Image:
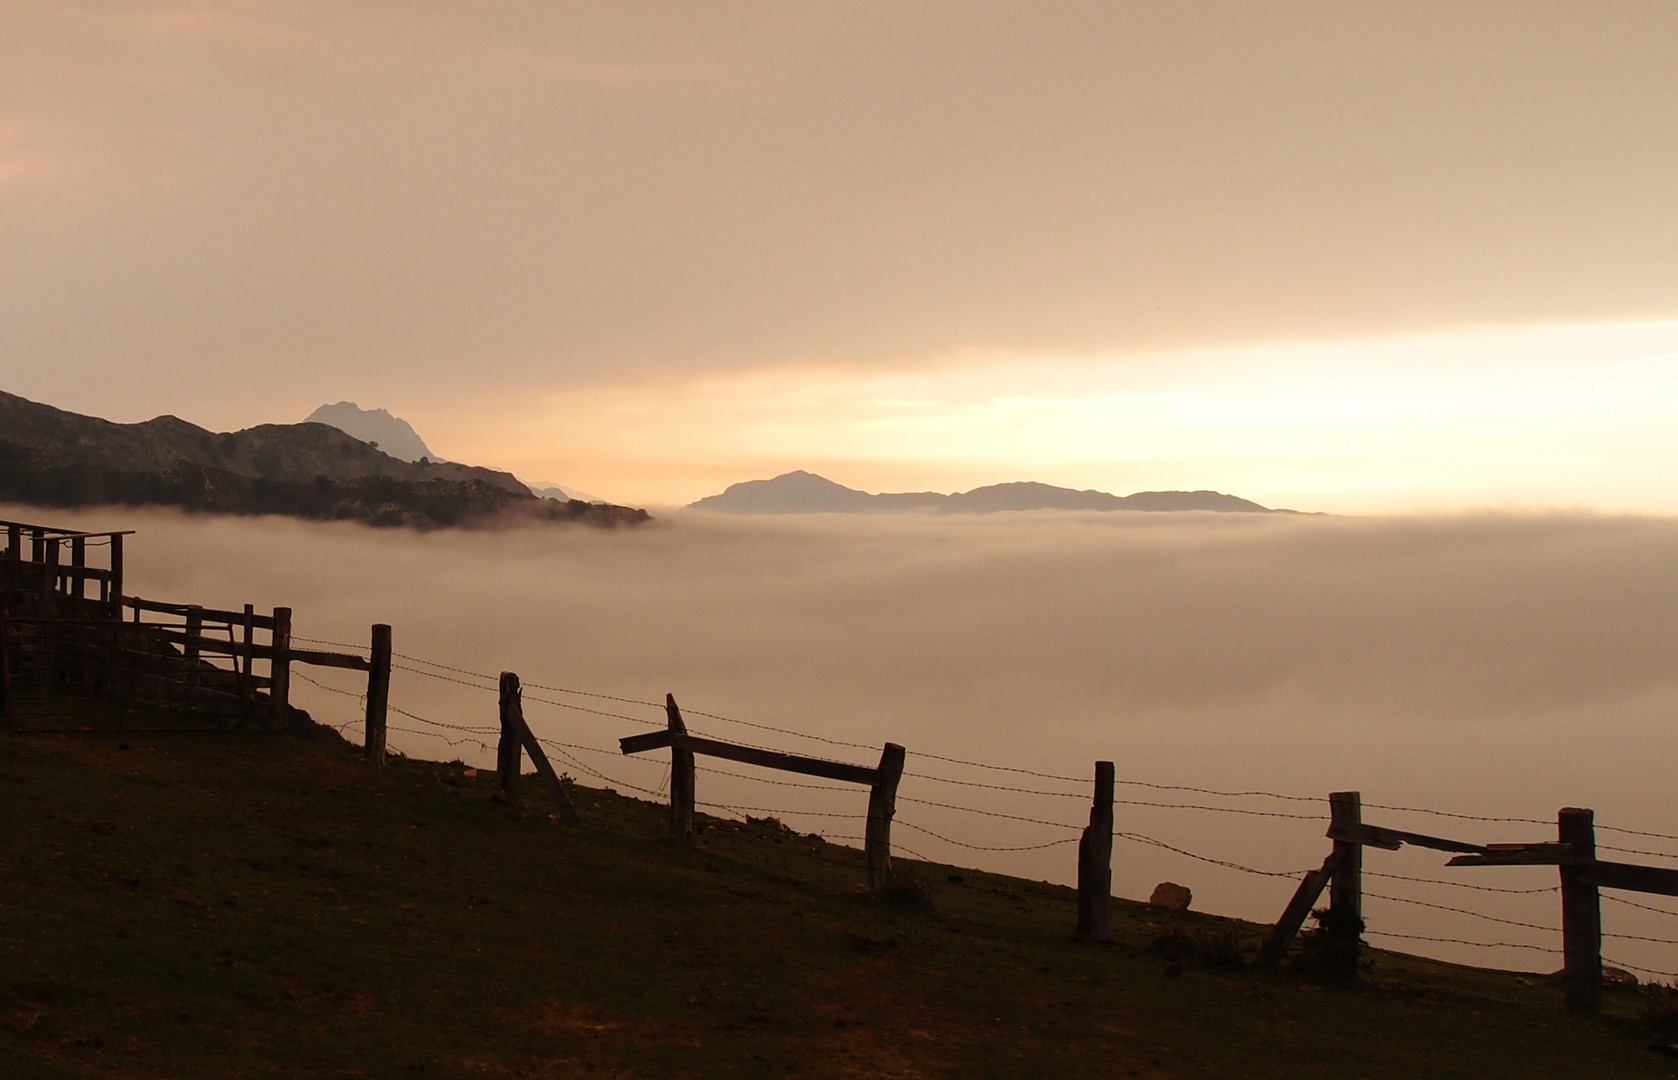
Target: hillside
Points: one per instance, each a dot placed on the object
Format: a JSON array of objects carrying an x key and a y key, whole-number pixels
[
  {"x": 806, "y": 493},
  {"x": 248, "y": 904},
  {"x": 50, "y": 457}
]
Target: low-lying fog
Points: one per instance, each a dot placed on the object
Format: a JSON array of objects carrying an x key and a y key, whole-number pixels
[{"x": 1489, "y": 665}]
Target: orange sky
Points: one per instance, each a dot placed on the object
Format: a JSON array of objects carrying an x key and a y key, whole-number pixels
[{"x": 1354, "y": 257}]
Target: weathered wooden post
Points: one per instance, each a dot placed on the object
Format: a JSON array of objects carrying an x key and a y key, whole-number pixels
[
  {"x": 1095, "y": 861},
  {"x": 1294, "y": 915},
  {"x": 509, "y": 757},
  {"x": 1345, "y": 889},
  {"x": 116, "y": 575},
  {"x": 194, "y": 630},
  {"x": 1581, "y": 914},
  {"x": 378, "y": 695},
  {"x": 882, "y": 806},
  {"x": 242, "y": 664},
  {"x": 78, "y": 568},
  {"x": 513, "y": 715},
  {"x": 682, "y": 781},
  {"x": 279, "y": 669}
]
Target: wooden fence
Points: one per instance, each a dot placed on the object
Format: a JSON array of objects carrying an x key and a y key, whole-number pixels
[{"x": 68, "y": 630}]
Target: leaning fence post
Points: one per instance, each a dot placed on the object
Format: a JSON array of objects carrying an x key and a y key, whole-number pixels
[
  {"x": 1581, "y": 915},
  {"x": 509, "y": 752},
  {"x": 882, "y": 805},
  {"x": 378, "y": 695},
  {"x": 1095, "y": 861},
  {"x": 1345, "y": 890},
  {"x": 279, "y": 668},
  {"x": 681, "y": 774}
]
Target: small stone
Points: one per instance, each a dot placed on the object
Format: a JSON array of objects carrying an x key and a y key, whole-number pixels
[
  {"x": 1171, "y": 896},
  {"x": 1618, "y": 977}
]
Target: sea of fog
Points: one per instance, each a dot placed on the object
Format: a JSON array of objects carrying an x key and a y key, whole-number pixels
[{"x": 1492, "y": 666}]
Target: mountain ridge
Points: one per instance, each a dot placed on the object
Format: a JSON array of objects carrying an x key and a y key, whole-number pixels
[
  {"x": 51, "y": 457},
  {"x": 377, "y": 428},
  {"x": 801, "y": 492}
]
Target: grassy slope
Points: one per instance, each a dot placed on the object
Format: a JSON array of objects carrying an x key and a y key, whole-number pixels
[{"x": 248, "y": 905}]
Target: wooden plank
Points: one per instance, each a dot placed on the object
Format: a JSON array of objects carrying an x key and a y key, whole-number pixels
[
  {"x": 1518, "y": 855},
  {"x": 1294, "y": 915},
  {"x": 638, "y": 744},
  {"x": 1616, "y": 875},
  {"x": 330, "y": 659},
  {"x": 1392, "y": 839},
  {"x": 1581, "y": 916},
  {"x": 237, "y": 618},
  {"x": 882, "y": 807},
  {"x": 769, "y": 759}
]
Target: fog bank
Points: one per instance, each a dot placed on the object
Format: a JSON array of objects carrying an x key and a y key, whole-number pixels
[{"x": 1499, "y": 666}]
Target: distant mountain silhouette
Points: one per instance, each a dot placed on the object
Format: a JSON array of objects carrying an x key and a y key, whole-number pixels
[
  {"x": 547, "y": 489},
  {"x": 376, "y": 427},
  {"x": 806, "y": 493},
  {"x": 49, "y": 457}
]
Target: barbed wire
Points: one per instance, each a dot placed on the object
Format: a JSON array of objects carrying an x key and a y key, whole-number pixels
[
  {"x": 361, "y": 695},
  {"x": 322, "y": 641},
  {"x": 1456, "y": 816},
  {"x": 1636, "y": 851},
  {"x": 981, "y": 847},
  {"x": 987, "y": 813},
  {"x": 1639, "y": 937},
  {"x": 1460, "y": 911},
  {"x": 773, "y": 810},
  {"x": 769, "y": 727},
  {"x": 438, "y": 735},
  {"x": 1464, "y": 941},
  {"x": 1462, "y": 884},
  {"x": 777, "y": 783},
  {"x": 1637, "y": 832},
  {"x": 1635, "y": 904},
  {"x": 1140, "y": 838}
]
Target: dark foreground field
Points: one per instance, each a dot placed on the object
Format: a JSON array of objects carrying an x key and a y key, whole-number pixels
[{"x": 247, "y": 904}]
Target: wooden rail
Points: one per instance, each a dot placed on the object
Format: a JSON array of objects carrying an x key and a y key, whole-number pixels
[{"x": 881, "y": 781}]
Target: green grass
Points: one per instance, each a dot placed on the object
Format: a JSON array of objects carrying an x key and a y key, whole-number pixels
[{"x": 248, "y": 904}]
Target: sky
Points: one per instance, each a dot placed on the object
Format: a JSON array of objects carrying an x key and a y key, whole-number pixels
[{"x": 1372, "y": 258}]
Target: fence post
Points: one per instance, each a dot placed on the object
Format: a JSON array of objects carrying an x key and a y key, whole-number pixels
[
  {"x": 509, "y": 752},
  {"x": 378, "y": 695},
  {"x": 1095, "y": 861},
  {"x": 241, "y": 664},
  {"x": 681, "y": 774},
  {"x": 116, "y": 575},
  {"x": 78, "y": 564},
  {"x": 279, "y": 669},
  {"x": 1345, "y": 890},
  {"x": 1581, "y": 915},
  {"x": 49, "y": 578},
  {"x": 194, "y": 630},
  {"x": 882, "y": 805}
]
